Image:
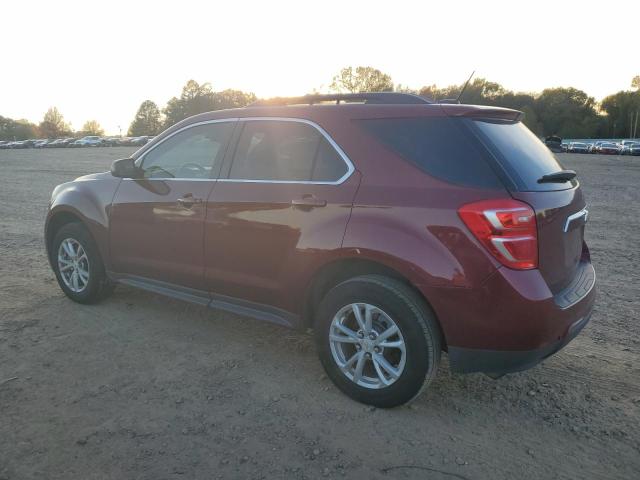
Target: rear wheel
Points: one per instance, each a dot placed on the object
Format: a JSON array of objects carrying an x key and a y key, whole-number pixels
[
  {"x": 78, "y": 266},
  {"x": 378, "y": 340}
]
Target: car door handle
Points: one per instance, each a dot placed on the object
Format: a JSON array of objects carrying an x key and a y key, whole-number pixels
[
  {"x": 188, "y": 201},
  {"x": 308, "y": 202}
]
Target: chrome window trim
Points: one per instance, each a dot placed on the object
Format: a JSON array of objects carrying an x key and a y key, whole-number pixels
[
  {"x": 336, "y": 147},
  {"x": 172, "y": 179}
]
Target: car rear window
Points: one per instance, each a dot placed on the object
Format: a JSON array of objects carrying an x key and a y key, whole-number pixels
[
  {"x": 521, "y": 154},
  {"x": 439, "y": 146}
]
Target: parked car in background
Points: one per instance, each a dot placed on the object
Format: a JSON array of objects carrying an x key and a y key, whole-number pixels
[
  {"x": 608, "y": 148},
  {"x": 57, "y": 143},
  {"x": 40, "y": 143},
  {"x": 88, "y": 141},
  {"x": 111, "y": 141},
  {"x": 139, "y": 141},
  {"x": 633, "y": 149},
  {"x": 395, "y": 229},
  {"x": 625, "y": 146},
  {"x": 593, "y": 147},
  {"x": 578, "y": 147},
  {"x": 554, "y": 143}
]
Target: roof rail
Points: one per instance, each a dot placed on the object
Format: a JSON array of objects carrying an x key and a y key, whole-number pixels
[{"x": 378, "y": 98}]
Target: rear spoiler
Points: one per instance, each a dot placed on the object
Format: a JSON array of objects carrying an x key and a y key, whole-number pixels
[{"x": 477, "y": 111}]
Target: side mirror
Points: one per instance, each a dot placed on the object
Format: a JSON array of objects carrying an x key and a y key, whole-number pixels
[{"x": 125, "y": 168}]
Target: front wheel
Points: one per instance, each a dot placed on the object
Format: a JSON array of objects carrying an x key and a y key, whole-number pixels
[
  {"x": 378, "y": 340},
  {"x": 78, "y": 266}
]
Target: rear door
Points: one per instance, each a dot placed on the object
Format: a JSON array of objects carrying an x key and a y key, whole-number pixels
[
  {"x": 282, "y": 201},
  {"x": 157, "y": 222},
  {"x": 560, "y": 207}
]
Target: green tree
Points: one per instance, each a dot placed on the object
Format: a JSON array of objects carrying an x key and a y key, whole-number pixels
[
  {"x": 53, "y": 125},
  {"x": 478, "y": 92},
  {"x": 568, "y": 112},
  {"x": 232, "y": 99},
  {"x": 517, "y": 101},
  {"x": 621, "y": 109},
  {"x": 635, "y": 82},
  {"x": 531, "y": 120},
  {"x": 484, "y": 92},
  {"x": 361, "y": 79},
  {"x": 431, "y": 92},
  {"x": 17, "y": 129},
  {"x": 198, "y": 98},
  {"x": 147, "y": 120},
  {"x": 195, "y": 98},
  {"x": 92, "y": 127}
]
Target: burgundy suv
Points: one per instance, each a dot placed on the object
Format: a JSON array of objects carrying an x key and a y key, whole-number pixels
[{"x": 394, "y": 227}]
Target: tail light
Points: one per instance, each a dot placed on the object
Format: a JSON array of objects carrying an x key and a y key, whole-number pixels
[{"x": 507, "y": 228}]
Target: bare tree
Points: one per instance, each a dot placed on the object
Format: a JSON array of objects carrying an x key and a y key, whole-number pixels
[
  {"x": 92, "y": 127},
  {"x": 53, "y": 124},
  {"x": 361, "y": 79}
]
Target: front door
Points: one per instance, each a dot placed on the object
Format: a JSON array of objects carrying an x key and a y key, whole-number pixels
[
  {"x": 157, "y": 221},
  {"x": 283, "y": 200}
]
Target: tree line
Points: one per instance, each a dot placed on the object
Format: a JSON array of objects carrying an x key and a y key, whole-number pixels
[
  {"x": 564, "y": 111},
  {"x": 195, "y": 98},
  {"x": 52, "y": 125}
]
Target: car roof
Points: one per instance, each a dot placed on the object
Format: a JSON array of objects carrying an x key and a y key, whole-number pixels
[
  {"x": 359, "y": 111},
  {"x": 324, "y": 114}
]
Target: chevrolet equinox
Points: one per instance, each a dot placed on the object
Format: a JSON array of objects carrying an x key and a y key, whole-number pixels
[{"x": 396, "y": 228}]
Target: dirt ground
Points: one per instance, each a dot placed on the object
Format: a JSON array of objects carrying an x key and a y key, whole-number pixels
[{"x": 144, "y": 387}]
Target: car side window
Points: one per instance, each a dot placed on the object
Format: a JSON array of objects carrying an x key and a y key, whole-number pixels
[
  {"x": 271, "y": 150},
  {"x": 328, "y": 166},
  {"x": 192, "y": 153}
]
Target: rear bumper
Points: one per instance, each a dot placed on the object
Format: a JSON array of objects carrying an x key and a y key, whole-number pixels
[
  {"x": 513, "y": 321},
  {"x": 467, "y": 360}
]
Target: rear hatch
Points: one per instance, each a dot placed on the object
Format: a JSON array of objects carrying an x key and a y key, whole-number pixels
[{"x": 523, "y": 161}]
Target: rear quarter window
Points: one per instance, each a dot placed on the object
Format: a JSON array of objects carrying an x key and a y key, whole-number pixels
[{"x": 439, "y": 146}]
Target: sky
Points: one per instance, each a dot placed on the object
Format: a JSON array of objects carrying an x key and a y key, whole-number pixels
[{"x": 100, "y": 59}]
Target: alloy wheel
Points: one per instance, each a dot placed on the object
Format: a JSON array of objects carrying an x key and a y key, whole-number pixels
[
  {"x": 367, "y": 345},
  {"x": 73, "y": 265}
]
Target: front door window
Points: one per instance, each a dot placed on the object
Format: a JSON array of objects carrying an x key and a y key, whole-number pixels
[{"x": 194, "y": 153}]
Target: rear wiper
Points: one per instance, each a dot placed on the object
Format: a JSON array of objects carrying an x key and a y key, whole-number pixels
[{"x": 558, "y": 177}]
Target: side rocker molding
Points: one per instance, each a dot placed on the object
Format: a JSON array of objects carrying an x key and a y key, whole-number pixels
[{"x": 219, "y": 302}]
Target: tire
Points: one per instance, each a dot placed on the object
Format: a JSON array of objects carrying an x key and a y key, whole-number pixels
[
  {"x": 95, "y": 286},
  {"x": 390, "y": 302}
]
